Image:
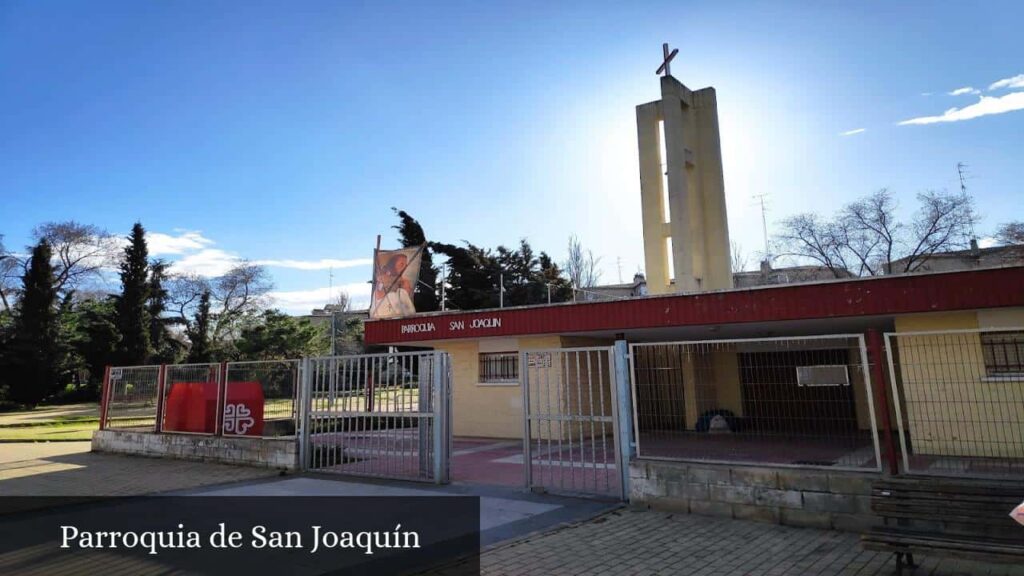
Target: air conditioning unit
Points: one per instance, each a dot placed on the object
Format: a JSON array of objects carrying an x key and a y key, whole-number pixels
[{"x": 819, "y": 376}]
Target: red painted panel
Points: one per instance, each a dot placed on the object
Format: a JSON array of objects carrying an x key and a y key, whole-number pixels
[{"x": 908, "y": 294}]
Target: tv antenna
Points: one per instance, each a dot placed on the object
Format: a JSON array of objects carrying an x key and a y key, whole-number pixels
[{"x": 760, "y": 198}]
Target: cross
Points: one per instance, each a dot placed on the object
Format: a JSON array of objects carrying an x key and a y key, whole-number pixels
[{"x": 668, "y": 58}]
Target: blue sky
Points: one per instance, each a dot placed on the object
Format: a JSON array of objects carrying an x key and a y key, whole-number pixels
[{"x": 284, "y": 132}]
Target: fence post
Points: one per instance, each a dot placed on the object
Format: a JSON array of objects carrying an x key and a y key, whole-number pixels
[
  {"x": 624, "y": 407},
  {"x": 524, "y": 379},
  {"x": 305, "y": 399},
  {"x": 104, "y": 398},
  {"x": 438, "y": 381},
  {"x": 158, "y": 425},
  {"x": 874, "y": 341},
  {"x": 222, "y": 382}
]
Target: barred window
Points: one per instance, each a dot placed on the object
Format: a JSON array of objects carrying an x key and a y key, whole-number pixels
[
  {"x": 1003, "y": 352},
  {"x": 499, "y": 368}
]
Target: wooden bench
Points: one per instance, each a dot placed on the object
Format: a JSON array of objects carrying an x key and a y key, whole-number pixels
[{"x": 953, "y": 518}]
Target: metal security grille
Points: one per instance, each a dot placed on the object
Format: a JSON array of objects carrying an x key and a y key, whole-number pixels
[
  {"x": 571, "y": 421},
  {"x": 132, "y": 397},
  {"x": 499, "y": 368},
  {"x": 377, "y": 415},
  {"x": 276, "y": 382},
  {"x": 802, "y": 401},
  {"x": 960, "y": 402},
  {"x": 1003, "y": 353}
]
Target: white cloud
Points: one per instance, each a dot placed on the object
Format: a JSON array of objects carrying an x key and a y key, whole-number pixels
[
  {"x": 985, "y": 106},
  {"x": 926, "y": 93},
  {"x": 208, "y": 262},
  {"x": 186, "y": 241},
  {"x": 852, "y": 132},
  {"x": 1011, "y": 82},
  {"x": 303, "y": 301},
  {"x": 322, "y": 264},
  {"x": 193, "y": 253},
  {"x": 964, "y": 90}
]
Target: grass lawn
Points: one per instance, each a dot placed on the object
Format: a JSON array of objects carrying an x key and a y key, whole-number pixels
[
  {"x": 52, "y": 432},
  {"x": 55, "y": 423}
]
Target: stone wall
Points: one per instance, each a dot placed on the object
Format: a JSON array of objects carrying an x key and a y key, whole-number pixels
[
  {"x": 280, "y": 453},
  {"x": 796, "y": 497}
]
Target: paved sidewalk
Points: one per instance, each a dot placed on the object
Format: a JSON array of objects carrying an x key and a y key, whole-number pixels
[
  {"x": 69, "y": 469},
  {"x": 630, "y": 541}
]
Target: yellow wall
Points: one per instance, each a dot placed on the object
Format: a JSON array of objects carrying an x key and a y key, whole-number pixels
[
  {"x": 727, "y": 379},
  {"x": 486, "y": 410},
  {"x": 950, "y": 407}
]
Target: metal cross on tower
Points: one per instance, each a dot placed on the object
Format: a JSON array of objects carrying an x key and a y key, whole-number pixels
[{"x": 668, "y": 59}]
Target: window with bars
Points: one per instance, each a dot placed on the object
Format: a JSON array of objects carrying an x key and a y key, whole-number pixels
[
  {"x": 499, "y": 368},
  {"x": 1003, "y": 353}
]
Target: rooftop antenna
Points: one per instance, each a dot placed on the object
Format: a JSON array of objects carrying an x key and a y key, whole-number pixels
[
  {"x": 444, "y": 274},
  {"x": 618, "y": 262},
  {"x": 764, "y": 224},
  {"x": 961, "y": 170},
  {"x": 330, "y": 296}
]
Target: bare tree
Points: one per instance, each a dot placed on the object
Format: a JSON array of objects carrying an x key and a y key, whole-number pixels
[
  {"x": 239, "y": 292},
  {"x": 342, "y": 302},
  {"x": 581, "y": 267},
  {"x": 866, "y": 238},
  {"x": 944, "y": 222},
  {"x": 243, "y": 289},
  {"x": 1011, "y": 233},
  {"x": 808, "y": 237},
  {"x": 82, "y": 252},
  {"x": 9, "y": 271},
  {"x": 183, "y": 294},
  {"x": 739, "y": 259}
]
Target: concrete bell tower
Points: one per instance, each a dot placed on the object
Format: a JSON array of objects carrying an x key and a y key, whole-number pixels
[{"x": 682, "y": 189}]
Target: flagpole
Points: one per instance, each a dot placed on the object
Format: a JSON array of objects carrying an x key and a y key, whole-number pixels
[{"x": 373, "y": 281}]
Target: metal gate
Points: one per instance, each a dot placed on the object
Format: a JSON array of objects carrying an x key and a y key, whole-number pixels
[
  {"x": 798, "y": 401},
  {"x": 959, "y": 397},
  {"x": 570, "y": 421},
  {"x": 381, "y": 415}
]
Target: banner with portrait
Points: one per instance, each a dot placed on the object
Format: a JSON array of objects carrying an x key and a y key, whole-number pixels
[{"x": 395, "y": 274}]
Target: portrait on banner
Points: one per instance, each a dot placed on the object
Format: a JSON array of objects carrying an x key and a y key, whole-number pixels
[{"x": 395, "y": 274}]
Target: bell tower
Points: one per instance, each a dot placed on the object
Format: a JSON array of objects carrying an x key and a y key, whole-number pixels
[{"x": 682, "y": 190}]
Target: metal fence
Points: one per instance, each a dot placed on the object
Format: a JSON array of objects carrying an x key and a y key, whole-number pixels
[
  {"x": 377, "y": 415},
  {"x": 192, "y": 397},
  {"x": 131, "y": 397},
  {"x": 260, "y": 398},
  {"x": 571, "y": 421},
  {"x": 793, "y": 402},
  {"x": 960, "y": 399}
]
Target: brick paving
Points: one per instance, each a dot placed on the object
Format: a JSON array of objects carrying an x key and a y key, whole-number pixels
[
  {"x": 69, "y": 469},
  {"x": 634, "y": 541}
]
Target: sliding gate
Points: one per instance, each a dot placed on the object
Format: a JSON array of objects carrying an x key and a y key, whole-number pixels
[
  {"x": 381, "y": 415},
  {"x": 570, "y": 423}
]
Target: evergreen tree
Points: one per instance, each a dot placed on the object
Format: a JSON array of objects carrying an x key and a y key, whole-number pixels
[
  {"x": 165, "y": 348},
  {"x": 199, "y": 332},
  {"x": 277, "y": 336},
  {"x": 132, "y": 318},
  {"x": 551, "y": 275},
  {"x": 426, "y": 299},
  {"x": 70, "y": 365},
  {"x": 471, "y": 276},
  {"x": 33, "y": 355},
  {"x": 475, "y": 275},
  {"x": 96, "y": 338}
]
